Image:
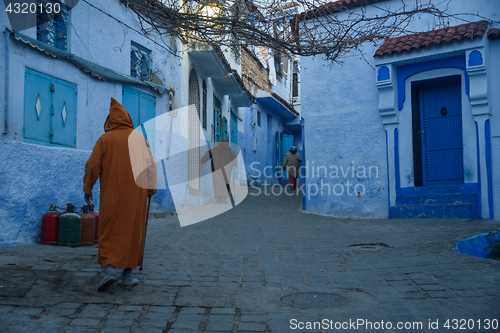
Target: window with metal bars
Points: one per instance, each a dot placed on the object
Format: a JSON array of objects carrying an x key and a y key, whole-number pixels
[
  {"x": 259, "y": 118},
  {"x": 52, "y": 29},
  {"x": 204, "y": 114},
  {"x": 295, "y": 79},
  {"x": 140, "y": 58}
]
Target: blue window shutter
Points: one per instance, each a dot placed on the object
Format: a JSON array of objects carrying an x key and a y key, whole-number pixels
[
  {"x": 234, "y": 128},
  {"x": 64, "y": 117},
  {"x": 217, "y": 120},
  {"x": 37, "y": 92},
  {"x": 130, "y": 101},
  {"x": 225, "y": 135}
]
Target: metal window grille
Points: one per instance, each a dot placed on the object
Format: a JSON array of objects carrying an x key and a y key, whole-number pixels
[
  {"x": 140, "y": 59},
  {"x": 295, "y": 79},
  {"x": 52, "y": 29},
  {"x": 259, "y": 118}
]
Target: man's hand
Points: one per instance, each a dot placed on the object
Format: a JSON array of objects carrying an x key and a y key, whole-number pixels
[{"x": 88, "y": 198}]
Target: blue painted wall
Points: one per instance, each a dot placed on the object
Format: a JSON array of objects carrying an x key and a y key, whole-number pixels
[
  {"x": 343, "y": 129},
  {"x": 32, "y": 178}
]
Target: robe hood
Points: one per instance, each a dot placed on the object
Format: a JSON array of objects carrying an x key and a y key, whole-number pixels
[{"x": 117, "y": 117}]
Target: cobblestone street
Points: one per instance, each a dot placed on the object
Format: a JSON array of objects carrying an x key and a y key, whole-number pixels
[{"x": 230, "y": 273}]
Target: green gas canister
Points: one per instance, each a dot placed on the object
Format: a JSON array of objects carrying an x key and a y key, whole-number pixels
[{"x": 70, "y": 228}]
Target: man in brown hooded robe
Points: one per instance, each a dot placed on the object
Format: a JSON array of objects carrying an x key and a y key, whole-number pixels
[
  {"x": 223, "y": 161},
  {"x": 122, "y": 211}
]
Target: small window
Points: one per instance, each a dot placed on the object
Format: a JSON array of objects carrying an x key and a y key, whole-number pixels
[
  {"x": 204, "y": 114},
  {"x": 295, "y": 79},
  {"x": 52, "y": 30},
  {"x": 140, "y": 58},
  {"x": 259, "y": 118}
]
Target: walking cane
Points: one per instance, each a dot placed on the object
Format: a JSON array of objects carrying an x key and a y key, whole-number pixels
[{"x": 145, "y": 233}]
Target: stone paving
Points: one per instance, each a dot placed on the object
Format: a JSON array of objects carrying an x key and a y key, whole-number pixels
[{"x": 228, "y": 274}]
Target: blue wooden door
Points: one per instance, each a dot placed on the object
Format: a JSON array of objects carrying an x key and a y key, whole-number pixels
[
  {"x": 131, "y": 102},
  {"x": 234, "y": 128},
  {"x": 233, "y": 138},
  {"x": 225, "y": 134},
  {"x": 441, "y": 132},
  {"x": 147, "y": 114},
  {"x": 142, "y": 110}
]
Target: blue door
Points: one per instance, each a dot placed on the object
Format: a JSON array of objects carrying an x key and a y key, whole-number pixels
[
  {"x": 147, "y": 114},
  {"x": 287, "y": 144},
  {"x": 234, "y": 128},
  {"x": 441, "y": 131},
  {"x": 131, "y": 102},
  {"x": 142, "y": 110},
  {"x": 233, "y": 138}
]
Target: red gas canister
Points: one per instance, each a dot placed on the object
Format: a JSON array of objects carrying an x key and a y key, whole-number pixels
[
  {"x": 88, "y": 227},
  {"x": 96, "y": 215},
  {"x": 50, "y": 226}
]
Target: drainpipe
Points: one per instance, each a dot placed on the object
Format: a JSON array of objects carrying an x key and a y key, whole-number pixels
[
  {"x": 170, "y": 134},
  {"x": 7, "y": 81},
  {"x": 304, "y": 206}
]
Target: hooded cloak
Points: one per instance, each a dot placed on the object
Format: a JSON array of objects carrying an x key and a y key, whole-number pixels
[{"x": 123, "y": 204}]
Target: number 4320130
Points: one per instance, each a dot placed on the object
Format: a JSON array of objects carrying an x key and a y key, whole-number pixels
[{"x": 31, "y": 8}]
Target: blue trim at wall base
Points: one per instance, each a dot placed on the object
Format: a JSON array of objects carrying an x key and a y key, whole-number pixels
[
  {"x": 448, "y": 201},
  {"x": 436, "y": 199},
  {"x": 468, "y": 188},
  {"x": 431, "y": 211}
]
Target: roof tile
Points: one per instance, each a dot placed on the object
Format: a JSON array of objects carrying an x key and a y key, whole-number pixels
[
  {"x": 494, "y": 34},
  {"x": 436, "y": 37}
]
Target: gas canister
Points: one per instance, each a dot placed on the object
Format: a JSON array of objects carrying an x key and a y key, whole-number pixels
[
  {"x": 50, "y": 226},
  {"x": 70, "y": 228},
  {"x": 88, "y": 227},
  {"x": 96, "y": 215}
]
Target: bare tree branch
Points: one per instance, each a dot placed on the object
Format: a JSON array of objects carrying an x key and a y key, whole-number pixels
[{"x": 322, "y": 28}]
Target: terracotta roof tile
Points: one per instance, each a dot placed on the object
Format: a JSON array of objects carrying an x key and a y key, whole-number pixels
[
  {"x": 436, "y": 37},
  {"x": 494, "y": 34}
]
